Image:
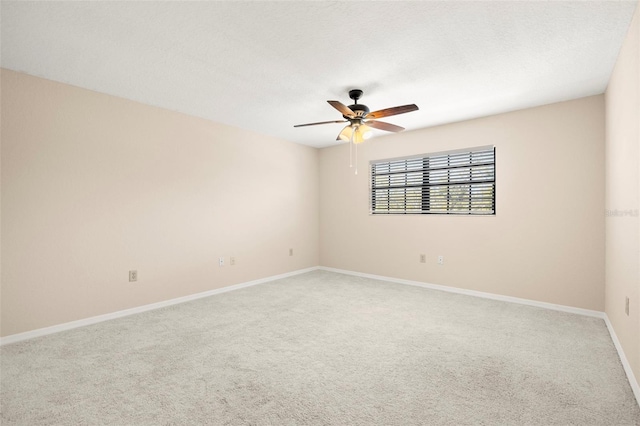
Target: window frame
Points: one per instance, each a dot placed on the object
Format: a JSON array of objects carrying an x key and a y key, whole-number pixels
[{"x": 427, "y": 187}]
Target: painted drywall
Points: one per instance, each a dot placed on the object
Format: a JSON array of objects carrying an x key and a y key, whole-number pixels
[
  {"x": 94, "y": 186},
  {"x": 622, "y": 100},
  {"x": 546, "y": 241}
]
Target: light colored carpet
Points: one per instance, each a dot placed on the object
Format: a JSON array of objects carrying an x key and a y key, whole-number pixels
[{"x": 323, "y": 349}]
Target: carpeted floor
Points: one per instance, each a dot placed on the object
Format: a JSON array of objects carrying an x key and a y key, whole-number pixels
[{"x": 323, "y": 349}]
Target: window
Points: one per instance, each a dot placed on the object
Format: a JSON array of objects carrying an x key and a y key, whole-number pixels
[{"x": 456, "y": 182}]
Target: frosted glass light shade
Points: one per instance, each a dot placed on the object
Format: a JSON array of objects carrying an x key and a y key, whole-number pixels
[
  {"x": 345, "y": 134},
  {"x": 366, "y": 131}
]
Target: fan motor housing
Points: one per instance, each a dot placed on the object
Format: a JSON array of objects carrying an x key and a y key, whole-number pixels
[{"x": 359, "y": 109}]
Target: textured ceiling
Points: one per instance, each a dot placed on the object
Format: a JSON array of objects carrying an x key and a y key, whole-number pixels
[{"x": 266, "y": 66}]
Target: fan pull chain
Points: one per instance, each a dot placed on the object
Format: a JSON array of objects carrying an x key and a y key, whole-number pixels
[
  {"x": 356, "y": 159},
  {"x": 350, "y": 149}
]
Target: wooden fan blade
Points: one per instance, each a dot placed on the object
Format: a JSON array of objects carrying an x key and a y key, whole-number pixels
[
  {"x": 344, "y": 110},
  {"x": 392, "y": 111},
  {"x": 381, "y": 125},
  {"x": 321, "y": 122}
]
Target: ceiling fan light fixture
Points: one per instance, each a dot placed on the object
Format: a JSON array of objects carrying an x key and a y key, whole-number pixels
[{"x": 361, "y": 132}]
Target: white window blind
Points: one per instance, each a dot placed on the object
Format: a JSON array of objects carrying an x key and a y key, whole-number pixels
[{"x": 459, "y": 182}]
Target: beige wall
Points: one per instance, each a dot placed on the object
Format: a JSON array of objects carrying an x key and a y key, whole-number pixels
[
  {"x": 622, "y": 194},
  {"x": 94, "y": 185},
  {"x": 546, "y": 241}
]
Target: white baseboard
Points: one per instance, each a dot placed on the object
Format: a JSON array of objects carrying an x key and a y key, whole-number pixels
[
  {"x": 623, "y": 358},
  {"x": 562, "y": 308},
  {"x": 119, "y": 314},
  {"x": 570, "y": 309}
]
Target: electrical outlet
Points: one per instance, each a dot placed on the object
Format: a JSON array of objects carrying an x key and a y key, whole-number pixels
[
  {"x": 232, "y": 261},
  {"x": 133, "y": 276},
  {"x": 290, "y": 252},
  {"x": 423, "y": 258},
  {"x": 221, "y": 261},
  {"x": 440, "y": 260},
  {"x": 626, "y": 305}
]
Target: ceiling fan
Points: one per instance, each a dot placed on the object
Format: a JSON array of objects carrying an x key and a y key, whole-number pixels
[{"x": 361, "y": 120}]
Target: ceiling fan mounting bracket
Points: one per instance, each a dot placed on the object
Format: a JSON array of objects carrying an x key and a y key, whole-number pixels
[{"x": 355, "y": 94}]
